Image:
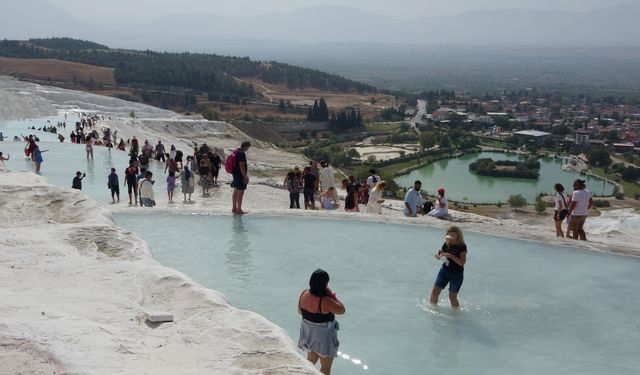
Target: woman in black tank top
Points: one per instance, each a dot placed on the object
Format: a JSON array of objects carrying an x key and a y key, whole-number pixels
[{"x": 318, "y": 331}]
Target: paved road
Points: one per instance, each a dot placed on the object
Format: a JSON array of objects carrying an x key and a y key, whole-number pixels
[{"x": 422, "y": 111}]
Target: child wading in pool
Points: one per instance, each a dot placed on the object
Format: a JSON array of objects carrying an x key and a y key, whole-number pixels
[
  {"x": 454, "y": 256},
  {"x": 171, "y": 185}
]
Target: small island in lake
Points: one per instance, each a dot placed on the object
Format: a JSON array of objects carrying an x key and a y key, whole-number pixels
[{"x": 529, "y": 168}]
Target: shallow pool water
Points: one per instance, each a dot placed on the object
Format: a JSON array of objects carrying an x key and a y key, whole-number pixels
[
  {"x": 454, "y": 175},
  {"x": 528, "y": 308},
  {"x": 22, "y": 127},
  {"x": 62, "y": 160}
]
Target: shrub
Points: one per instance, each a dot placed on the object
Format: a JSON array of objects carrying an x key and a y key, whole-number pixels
[
  {"x": 516, "y": 201},
  {"x": 601, "y": 203},
  {"x": 619, "y": 195},
  {"x": 541, "y": 207}
]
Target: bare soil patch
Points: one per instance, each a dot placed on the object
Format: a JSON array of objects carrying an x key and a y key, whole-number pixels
[
  {"x": 335, "y": 100},
  {"x": 56, "y": 71}
]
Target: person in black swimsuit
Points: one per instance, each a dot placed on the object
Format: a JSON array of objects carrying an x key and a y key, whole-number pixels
[{"x": 318, "y": 306}]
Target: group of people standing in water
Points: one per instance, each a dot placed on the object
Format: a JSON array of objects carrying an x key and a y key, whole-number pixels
[{"x": 318, "y": 305}]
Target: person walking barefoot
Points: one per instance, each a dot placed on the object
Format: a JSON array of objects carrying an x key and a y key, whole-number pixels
[
  {"x": 240, "y": 178},
  {"x": 561, "y": 209},
  {"x": 454, "y": 256}
]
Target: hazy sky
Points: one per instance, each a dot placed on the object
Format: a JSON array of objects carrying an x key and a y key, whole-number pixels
[{"x": 143, "y": 10}]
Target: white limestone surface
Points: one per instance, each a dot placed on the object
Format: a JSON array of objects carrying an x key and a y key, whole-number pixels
[{"x": 75, "y": 289}]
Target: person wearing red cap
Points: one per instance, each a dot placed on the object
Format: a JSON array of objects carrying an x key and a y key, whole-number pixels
[{"x": 441, "y": 206}]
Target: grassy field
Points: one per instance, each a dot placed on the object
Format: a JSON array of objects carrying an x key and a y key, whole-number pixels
[
  {"x": 493, "y": 143},
  {"x": 630, "y": 189},
  {"x": 56, "y": 70},
  {"x": 383, "y": 126}
]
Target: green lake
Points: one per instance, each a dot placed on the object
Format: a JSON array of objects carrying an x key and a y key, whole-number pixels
[{"x": 462, "y": 185}]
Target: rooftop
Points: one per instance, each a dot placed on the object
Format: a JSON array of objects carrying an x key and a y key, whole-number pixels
[{"x": 532, "y": 133}]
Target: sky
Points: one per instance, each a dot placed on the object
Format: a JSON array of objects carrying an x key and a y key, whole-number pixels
[{"x": 136, "y": 11}]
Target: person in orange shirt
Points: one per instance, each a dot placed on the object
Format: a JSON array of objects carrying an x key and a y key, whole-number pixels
[{"x": 318, "y": 306}]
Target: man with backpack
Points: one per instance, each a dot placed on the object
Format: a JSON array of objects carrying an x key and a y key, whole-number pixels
[{"x": 236, "y": 164}]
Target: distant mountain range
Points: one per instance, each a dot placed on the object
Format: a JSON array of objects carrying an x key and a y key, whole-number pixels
[{"x": 614, "y": 26}]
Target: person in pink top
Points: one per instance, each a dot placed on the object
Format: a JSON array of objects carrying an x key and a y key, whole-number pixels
[{"x": 318, "y": 306}]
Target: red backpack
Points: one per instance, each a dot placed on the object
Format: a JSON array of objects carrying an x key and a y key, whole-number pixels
[{"x": 230, "y": 163}]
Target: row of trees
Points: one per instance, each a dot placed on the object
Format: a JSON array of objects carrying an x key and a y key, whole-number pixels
[
  {"x": 319, "y": 111},
  {"x": 346, "y": 120},
  {"x": 67, "y": 44},
  {"x": 202, "y": 72},
  {"x": 506, "y": 168}
]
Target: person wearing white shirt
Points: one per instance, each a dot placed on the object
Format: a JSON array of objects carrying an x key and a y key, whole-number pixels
[
  {"x": 581, "y": 203},
  {"x": 413, "y": 200},
  {"x": 327, "y": 179},
  {"x": 372, "y": 180},
  {"x": 442, "y": 207},
  {"x": 145, "y": 186}
]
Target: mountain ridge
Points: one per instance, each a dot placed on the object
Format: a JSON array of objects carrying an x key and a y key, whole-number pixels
[{"x": 614, "y": 25}]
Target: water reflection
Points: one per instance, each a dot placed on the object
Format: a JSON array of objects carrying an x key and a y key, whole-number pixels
[{"x": 239, "y": 261}]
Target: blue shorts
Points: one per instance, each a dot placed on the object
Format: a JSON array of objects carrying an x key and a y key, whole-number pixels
[{"x": 454, "y": 279}]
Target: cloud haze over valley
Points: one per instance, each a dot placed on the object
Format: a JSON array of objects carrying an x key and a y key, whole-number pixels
[
  {"x": 407, "y": 44},
  {"x": 135, "y": 23}
]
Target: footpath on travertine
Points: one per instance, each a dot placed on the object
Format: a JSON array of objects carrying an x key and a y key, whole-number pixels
[{"x": 76, "y": 291}]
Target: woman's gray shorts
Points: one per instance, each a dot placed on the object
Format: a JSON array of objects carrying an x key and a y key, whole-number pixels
[{"x": 320, "y": 338}]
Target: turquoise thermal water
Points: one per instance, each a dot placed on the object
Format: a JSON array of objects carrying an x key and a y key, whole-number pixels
[
  {"x": 528, "y": 308},
  {"x": 454, "y": 175}
]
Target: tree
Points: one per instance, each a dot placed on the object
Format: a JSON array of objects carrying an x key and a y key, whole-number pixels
[
  {"x": 444, "y": 142},
  {"x": 281, "y": 106},
  {"x": 613, "y": 136},
  {"x": 210, "y": 115},
  {"x": 427, "y": 139},
  {"x": 323, "y": 111},
  {"x": 517, "y": 201},
  {"x": 541, "y": 207},
  {"x": 132, "y": 114},
  {"x": 599, "y": 157}
]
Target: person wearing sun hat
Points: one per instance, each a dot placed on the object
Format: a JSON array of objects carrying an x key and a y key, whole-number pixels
[{"x": 441, "y": 206}]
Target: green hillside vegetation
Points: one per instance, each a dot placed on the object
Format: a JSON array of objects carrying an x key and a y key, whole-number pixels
[
  {"x": 529, "y": 168},
  {"x": 66, "y": 44},
  {"x": 210, "y": 73}
]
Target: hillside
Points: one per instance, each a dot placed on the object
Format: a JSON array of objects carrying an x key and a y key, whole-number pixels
[
  {"x": 196, "y": 73},
  {"x": 56, "y": 71}
]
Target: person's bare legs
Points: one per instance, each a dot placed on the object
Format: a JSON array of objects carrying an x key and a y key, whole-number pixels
[
  {"x": 312, "y": 357},
  {"x": 582, "y": 234},
  {"x": 453, "y": 298},
  {"x": 435, "y": 294},
  {"x": 559, "y": 232},
  {"x": 234, "y": 199},
  {"x": 239, "y": 202},
  {"x": 325, "y": 365}
]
